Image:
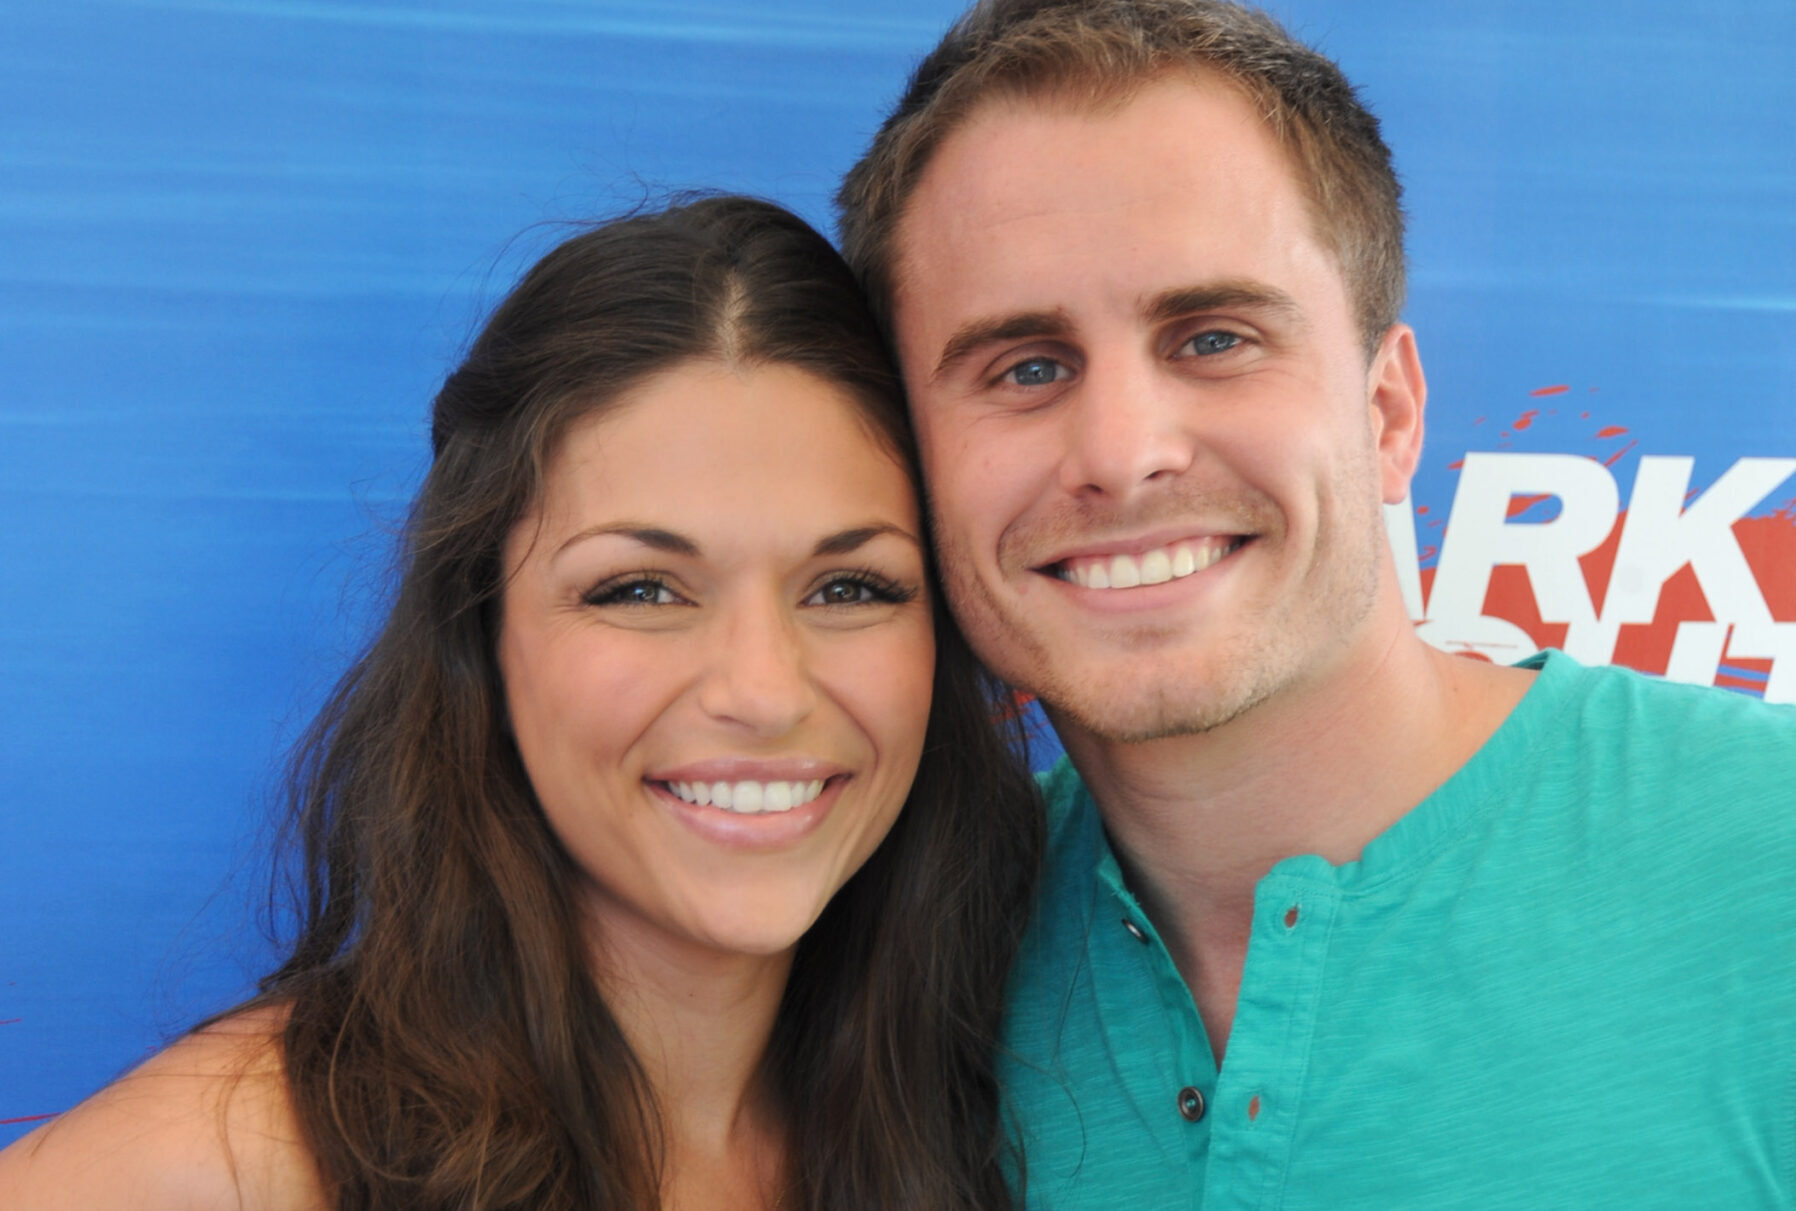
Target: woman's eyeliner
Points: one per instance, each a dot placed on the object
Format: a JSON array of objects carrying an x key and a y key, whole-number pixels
[
  {"x": 870, "y": 588},
  {"x": 634, "y": 589},
  {"x": 864, "y": 587}
]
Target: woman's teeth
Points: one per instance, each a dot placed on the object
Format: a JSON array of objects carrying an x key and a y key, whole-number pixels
[
  {"x": 1158, "y": 566},
  {"x": 748, "y": 798}
]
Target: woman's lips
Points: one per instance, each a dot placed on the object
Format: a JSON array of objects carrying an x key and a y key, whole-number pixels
[
  {"x": 743, "y": 823},
  {"x": 747, "y": 796}
]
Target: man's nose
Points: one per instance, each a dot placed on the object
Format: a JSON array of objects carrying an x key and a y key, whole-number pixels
[
  {"x": 757, "y": 674},
  {"x": 1127, "y": 426}
]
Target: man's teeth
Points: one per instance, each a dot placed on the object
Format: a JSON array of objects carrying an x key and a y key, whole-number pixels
[
  {"x": 1150, "y": 567},
  {"x": 749, "y": 798}
]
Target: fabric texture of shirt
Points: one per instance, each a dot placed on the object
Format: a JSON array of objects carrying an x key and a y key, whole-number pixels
[{"x": 1567, "y": 979}]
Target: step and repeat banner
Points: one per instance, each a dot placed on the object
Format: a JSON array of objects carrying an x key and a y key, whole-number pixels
[{"x": 240, "y": 242}]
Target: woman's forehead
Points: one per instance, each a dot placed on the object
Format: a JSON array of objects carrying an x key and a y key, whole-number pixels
[{"x": 731, "y": 453}]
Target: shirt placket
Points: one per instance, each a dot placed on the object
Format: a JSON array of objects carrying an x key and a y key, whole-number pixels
[
  {"x": 1170, "y": 1080},
  {"x": 1260, "y": 1088}
]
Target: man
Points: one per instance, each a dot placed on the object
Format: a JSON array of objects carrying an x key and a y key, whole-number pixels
[{"x": 1330, "y": 919}]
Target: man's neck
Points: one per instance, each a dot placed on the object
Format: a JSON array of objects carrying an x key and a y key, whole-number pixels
[{"x": 1321, "y": 768}]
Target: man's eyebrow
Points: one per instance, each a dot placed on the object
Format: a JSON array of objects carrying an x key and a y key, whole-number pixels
[
  {"x": 972, "y": 335},
  {"x": 853, "y": 540},
  {"x": 1220, "y": 296},
  {"x": 648, "y": 536}
]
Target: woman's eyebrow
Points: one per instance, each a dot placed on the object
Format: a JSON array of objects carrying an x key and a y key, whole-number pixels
[
  {"x": 842, "y": 542},
  {"x": 648, "y": 536},
  {"x": 839, "y": 543}
]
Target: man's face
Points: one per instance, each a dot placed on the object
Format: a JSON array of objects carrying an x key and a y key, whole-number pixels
[{"x": 1154, "y": 447}]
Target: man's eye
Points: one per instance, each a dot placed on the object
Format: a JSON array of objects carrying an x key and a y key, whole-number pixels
[
  {"x": 1205, "y": 344},
  {"x": 1035, "y": 372},
  {"x": 640, "y": 591}
]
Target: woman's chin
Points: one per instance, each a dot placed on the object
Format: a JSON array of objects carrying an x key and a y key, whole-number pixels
[
  {"x": 723, "y": 924},
  {"x": 772, "y": 932}
]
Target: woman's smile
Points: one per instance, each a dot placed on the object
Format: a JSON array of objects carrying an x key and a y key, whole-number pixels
[{"x": 720, "y": 692}]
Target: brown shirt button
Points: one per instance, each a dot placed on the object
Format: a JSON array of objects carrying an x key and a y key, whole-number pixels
[{"x": 1191, "y": 1103}]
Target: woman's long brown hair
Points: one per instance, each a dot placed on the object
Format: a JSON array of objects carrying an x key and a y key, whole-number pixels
[{"x": 447, "y": 1046}]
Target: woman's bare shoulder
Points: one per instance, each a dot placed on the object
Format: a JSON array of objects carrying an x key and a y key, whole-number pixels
[{"x": 205, "y": 1124}]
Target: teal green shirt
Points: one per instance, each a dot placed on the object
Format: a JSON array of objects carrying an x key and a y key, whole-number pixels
[{"x": 1567, "y": 979}]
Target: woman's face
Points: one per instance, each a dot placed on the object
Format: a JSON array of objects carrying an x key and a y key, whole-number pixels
[{"x": 717, "y": 654}]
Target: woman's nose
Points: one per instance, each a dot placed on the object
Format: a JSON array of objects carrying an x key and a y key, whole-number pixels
[{"x": 757, "y": 674}]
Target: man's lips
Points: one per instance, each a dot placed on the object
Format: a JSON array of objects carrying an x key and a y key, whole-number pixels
[{"x": 1154, "y": 565}]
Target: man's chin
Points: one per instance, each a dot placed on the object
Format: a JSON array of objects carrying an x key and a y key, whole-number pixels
[{"x": 1142, "y": 714}]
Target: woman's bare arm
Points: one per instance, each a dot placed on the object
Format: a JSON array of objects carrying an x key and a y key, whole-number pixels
[{"x": 203, "y": 1125}]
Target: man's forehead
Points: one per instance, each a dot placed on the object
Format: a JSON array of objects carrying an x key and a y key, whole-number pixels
[
  {"x": 1015, "y": 160},
  {"x": 1012, "y": 113}
]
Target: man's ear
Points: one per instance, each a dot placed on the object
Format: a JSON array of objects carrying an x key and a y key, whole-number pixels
[{"x": 1396, "y": 397}]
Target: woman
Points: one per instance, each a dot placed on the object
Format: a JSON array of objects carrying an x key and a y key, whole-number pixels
[{"x": 608, "y": 899}]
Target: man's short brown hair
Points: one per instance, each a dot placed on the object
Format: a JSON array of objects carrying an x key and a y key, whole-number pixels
[{"x": 1096, "y": 53}]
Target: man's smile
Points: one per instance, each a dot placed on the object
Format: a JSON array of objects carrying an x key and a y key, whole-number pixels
[{"x": 1156, "y": 565}]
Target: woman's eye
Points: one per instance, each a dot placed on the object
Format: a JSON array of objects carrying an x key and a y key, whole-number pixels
[
  {"x": 844, "y": 592},
  {"x": 1035, "y": 372},
  {"x": 638, "y": 592},
  {"x": 1206, "y": 344},
  {"x": 859, "y": 590}
]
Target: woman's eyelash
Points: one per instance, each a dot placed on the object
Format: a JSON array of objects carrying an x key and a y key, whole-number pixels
[
  {"x": 873, "y": 585},
  {"x": 865, "y": 586},
  {"x": 632, "y": 589}
]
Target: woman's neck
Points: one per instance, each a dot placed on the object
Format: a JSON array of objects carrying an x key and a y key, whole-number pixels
[{"x": 699, "y": 1022}]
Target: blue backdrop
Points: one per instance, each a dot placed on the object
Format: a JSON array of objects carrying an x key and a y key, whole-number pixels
[{"x": 240, "y": 242}]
